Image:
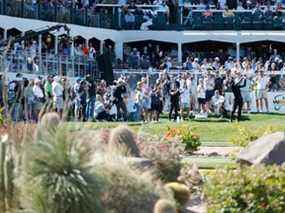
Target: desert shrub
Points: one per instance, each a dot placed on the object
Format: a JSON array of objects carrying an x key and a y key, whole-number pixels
[
  {"x": 164, "y": 206},
  {"x": 247, "y": 135},
  {"x": 247, "y": 189},
  {"x": 95, "y": 140},
  {"x": 129, "y": 190},
  {"x": 186, "y": 136},
  {"x": 124, "y": 139},
  {"x": 165, "y": 157},
  {"x": 191, "y": 177},
  {"x": 190, "y": 140},
  {"x": 56, "y": 178}
]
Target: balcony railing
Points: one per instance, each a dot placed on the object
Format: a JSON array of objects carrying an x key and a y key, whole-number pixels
[{"x": 185, "y": 17}]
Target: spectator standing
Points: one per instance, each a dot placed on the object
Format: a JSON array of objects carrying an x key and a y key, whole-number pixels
[
  {"x": 261, "y": 92},
  {"x": 57, "y": 92}
]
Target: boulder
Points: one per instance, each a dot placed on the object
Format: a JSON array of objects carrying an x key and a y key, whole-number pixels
[{"x": 269, "y": 149}]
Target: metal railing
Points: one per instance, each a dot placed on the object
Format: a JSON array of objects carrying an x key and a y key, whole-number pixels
[
  {"x": 49, "y": 64},
  {"x": 112, "y": 16},
  {"x": 80, "y": 66}
]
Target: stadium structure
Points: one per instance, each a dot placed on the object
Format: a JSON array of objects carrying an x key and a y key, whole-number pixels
[{"x": 184, "y": 25}]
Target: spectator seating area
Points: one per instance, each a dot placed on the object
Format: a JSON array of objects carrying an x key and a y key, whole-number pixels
[{"x": 153, "y": 17}]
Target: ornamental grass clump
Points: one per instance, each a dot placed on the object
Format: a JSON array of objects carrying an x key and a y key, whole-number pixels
[
  {"x": 246, "y": 189},
  {"x": 55, "y": 177}
]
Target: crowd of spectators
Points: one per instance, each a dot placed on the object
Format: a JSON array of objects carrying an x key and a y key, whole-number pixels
[
  {"x": 181, "y": 94},
  {"x": 144, "y": 14}
]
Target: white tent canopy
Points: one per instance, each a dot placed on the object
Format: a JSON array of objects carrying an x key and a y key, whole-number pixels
[{"x": 178, "y": 37}]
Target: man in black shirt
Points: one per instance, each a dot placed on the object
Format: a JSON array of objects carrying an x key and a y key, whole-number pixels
[
  {"x": 238, "y": 101},
  {"x": 91, "y": 98},
  {"x": 174, "y": 102},
  {"x": 119, "y": 101}
]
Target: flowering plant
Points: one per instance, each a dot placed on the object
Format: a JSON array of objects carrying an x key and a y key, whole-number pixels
[{"x": 185, "y": 136}]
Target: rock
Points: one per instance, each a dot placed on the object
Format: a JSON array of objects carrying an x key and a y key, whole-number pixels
[{"x": 269, "y": 149}]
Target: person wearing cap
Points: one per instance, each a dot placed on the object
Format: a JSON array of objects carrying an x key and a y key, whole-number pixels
[
  {"x": 216, "y": 64},
  {"x": 195, "y": 65},
  {"x": 119, "y": 101},
  {"x": 76, "y": 93},
  {"x": 236, "y": 84},
  {"x": 229, "y": 64},
  {"x": 174, "y": 103},
  {"x": 39, "y": 98},
  {"x": 138, "y": 101},
  {"x": 185, "y": 98},
  {"x": 48, "y": 92},
  {"x": 57, "y": 92},
  {"x": 209, "y": 84},
  {"x": 262, "y": 85},
  {"x": 246, "y": 91},
  {"x": 91, "y": 98},
  {"x": 188, "y": 64},
  {"x": 29, "y": 100},
  {"x": 217, "y": 103}
]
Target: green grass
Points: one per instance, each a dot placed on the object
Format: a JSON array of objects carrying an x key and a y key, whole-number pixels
[{"x": 213, "y": 132}]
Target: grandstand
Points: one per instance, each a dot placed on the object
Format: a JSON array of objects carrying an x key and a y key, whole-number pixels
[
  {"x": 215, "y": 28},
  {"x": 180, "y": 23}
]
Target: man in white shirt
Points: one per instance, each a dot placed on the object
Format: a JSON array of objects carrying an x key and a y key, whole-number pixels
[
  {"x": 217, "y": 102},
  {"x": 57, "y": 92},
  {"x": 39, "y": 97},
  {"x": 229, "y": 64},
  {"x": 195, "y": 65},
  {"x": 262, "y": 84},
  {"x": 185, "y": 98}
]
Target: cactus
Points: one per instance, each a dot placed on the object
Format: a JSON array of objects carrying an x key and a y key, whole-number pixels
[
  {"x": 9, "y": 182},
  {"x": 48, "y": 124},
  {"x": 180, "y": 191},
  {"x": 2, "y": 174},
  {"x": 122, "y": 137},
  {"x": 6, "y": 175},
  {"x": 164, "y": 206},
  {"x": 50, "y": 121}
]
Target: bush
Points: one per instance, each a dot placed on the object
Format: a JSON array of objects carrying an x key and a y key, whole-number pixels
[
  {"x": 165, "y": 157},
  {"x": 124, "y": 139},
  {"x": 129, "y": 190},
  {"x": 191, "y": 140},
  {"x": 247, "y": 135},
  {"x": 56, "y": 178},
  {"x": 247, "y": 189},
  {"x": 186, "y": 136}
]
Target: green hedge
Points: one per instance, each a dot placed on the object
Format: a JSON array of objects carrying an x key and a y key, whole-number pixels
[{"x": 257, "y": 189}]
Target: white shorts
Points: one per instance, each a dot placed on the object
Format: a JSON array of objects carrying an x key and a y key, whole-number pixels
[
  {"x": 246, "y": 96},
  {"x": 229, "y": 101},
  {"x": 58, "y": 102},
  {"x": 261, "y": 94}
]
